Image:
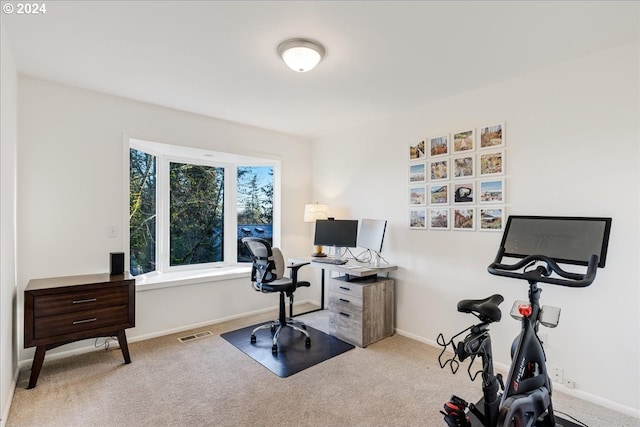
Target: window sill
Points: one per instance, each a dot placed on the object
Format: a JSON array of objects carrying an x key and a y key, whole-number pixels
[{"x": 155, "y": 280}]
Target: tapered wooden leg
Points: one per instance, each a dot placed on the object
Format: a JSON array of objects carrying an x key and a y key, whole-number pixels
[
  {"x": 122, "y": 340},
  {"x": 36, "y": 366}
]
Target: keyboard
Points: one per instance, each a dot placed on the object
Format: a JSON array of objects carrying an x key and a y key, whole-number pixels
[{"x": 332, "y": 261}]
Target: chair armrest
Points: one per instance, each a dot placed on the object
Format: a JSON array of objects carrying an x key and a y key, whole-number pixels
[
  {"x": 297, "y": 265},
  {"x": 294, "y": 269}
]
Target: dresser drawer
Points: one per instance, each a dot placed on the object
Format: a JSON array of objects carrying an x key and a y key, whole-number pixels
[
  {"x": 349, "y": 302},
  {"x": 70, "y": 323},
  {"x": 345, "y": 288},
  {"x": 346, "y": 326},
  {"x": 90, "y": 299}
]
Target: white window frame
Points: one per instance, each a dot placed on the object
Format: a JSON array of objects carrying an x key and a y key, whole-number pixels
[{"x": 166, "y": 275}]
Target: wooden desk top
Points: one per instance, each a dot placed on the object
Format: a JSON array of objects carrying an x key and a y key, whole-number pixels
[
  {"x": 87, "y": 279},
  {"x": 352, "y": 268}
]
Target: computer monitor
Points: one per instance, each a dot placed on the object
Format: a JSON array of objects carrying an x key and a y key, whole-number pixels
[
  {"x": 336, "y": 232},
  {"x": 371, "y": 234},
  {"x": 569, "y": 240}
]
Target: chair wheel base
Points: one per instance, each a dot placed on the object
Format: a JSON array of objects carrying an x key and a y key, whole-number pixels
[
  {"x": 274, "y": 349},
  {"x": 307, "y": 342},
  {"x": 253, "y": 339}
]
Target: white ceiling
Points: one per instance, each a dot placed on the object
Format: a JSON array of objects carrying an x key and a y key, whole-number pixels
[{"x": 218, "y": 58}]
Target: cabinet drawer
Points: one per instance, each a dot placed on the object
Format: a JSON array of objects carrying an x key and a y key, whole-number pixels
[
  {"x": 349, "y": 302},
  {"x": 79, "y": 321},
  {"x": 345, "y": 288},
  {"x": 346, "y": 326},
  {"x": 48, "y": 305}
]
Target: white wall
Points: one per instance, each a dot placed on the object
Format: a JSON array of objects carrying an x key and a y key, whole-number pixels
[
  {"x": 572, "y": 135},
  {"x": 70, "y": 189},
  {"x": 8, "y": 142}
]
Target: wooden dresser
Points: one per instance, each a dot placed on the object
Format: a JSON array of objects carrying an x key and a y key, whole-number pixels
[
  {"x": 362, "y": 311},
  {"x": 62, "y": 310}
]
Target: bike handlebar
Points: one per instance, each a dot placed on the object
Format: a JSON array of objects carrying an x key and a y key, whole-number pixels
[{"x": 573, "y": 280}]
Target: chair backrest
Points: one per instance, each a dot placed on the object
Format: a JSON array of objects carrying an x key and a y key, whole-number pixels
[{"x": 267, "y": 262}]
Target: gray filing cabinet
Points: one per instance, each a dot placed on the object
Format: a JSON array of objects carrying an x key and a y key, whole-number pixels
[{"x": 362, "y": 311}]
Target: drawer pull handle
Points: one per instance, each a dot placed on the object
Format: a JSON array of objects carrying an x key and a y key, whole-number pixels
[
  {"x": 345, "y": 288},
  {"x": 81, "y": 301},
  {"x": 78, "y": 322},
  {"x": 344, "y": 300},
  {"x": 345, "y": 314}
]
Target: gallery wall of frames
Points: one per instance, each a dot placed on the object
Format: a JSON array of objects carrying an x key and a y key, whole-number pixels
[{"x": 457, "y": 180}]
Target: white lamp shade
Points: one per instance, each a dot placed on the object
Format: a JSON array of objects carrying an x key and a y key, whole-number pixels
[
  {"x": 313, "y": 212},
  {"x": 301, "y": 55}
]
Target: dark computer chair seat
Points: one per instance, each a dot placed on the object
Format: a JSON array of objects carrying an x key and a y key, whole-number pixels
[{"x": 267, "y": 275}]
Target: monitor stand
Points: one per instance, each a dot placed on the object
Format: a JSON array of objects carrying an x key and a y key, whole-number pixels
[
  {"x": 337, "y": 250},
  {"x": 375, "y": 259}
]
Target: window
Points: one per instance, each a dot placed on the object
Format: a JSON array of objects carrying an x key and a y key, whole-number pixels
[
  {"x": 187, "y": 211},
  {"x": 142, "y": 211},
  {"x": 255, "y": 206}
]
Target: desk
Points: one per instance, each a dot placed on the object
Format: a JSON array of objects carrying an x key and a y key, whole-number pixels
[{"x": 352, "y": 269}]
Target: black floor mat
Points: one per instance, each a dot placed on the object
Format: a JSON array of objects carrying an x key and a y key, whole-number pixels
[{"x": 292, "y": 356}]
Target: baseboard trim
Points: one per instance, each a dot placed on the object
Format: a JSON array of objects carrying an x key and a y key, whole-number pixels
[
  {"x": 5, "y": 413},
  {"x": 114, "y": 344},
  {"x": 592, "y": 398}
]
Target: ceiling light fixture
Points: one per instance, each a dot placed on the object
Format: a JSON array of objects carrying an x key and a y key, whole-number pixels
[{"x": 301, "y": 55}]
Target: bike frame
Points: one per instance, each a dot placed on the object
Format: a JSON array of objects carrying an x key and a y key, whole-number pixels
[{"x": 528, "y": 378}]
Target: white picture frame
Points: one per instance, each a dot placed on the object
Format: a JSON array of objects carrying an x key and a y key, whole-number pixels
[
  {"x": 463, "y": 193},
  {"x": 464, "y": 141},
  {"x": 439, "y": 146},
  {"x": 418, "y": 195},
  {"x": 417, "y": 151},
  {"x": 491, "y": 191},
  {"x": 417, "y": 172},
  {"x": 463, "y": 166},
  {"x": 491, "y": 163},
  {"x": 439, "y": 193},
  {"x": 439, "y": 218},
  {"x": 418, "y": 219},
  {"x": 491, "y": 218},
  {"x": 464, "y": 219},
  {"x": 439, "y": 169},
  {"x": 491, "y": 137}
]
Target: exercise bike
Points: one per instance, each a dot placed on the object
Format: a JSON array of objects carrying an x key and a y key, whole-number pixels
[{"x": 525, "y": 397}]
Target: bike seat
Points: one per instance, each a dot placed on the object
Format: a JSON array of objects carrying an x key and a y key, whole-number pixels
[{"x": 487, "y": 309}]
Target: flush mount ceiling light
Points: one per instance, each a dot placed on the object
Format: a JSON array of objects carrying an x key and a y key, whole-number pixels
[{"x": 301, "y": 55}]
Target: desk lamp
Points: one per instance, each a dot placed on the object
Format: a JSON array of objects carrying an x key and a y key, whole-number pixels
[{"x": 313, "y": 212}]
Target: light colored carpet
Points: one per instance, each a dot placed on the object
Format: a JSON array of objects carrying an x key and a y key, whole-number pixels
[{"x": 208, "y": 382}]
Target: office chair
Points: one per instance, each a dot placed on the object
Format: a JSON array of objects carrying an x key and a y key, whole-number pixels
[{"x": 267, "y": 274}]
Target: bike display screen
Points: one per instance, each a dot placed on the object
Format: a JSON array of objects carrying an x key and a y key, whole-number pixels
[{"x": 569, "y": 240}]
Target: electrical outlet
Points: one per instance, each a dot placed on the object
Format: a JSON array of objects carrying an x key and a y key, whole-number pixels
[
  {"x": 569, "y": 383},
  {"x": 556, "y": 374}
]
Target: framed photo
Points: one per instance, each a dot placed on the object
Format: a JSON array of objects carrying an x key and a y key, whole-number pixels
[
  {"x": 463, "y": 166},
  {"x": 464, "y": 219},
  {"x": 491, "y": 163},
  {"x": 418, "y": 219},
  {"x": 439, "y": 219},
  {"x": 417, "y": 172},
  {"x": 417, "y": 195},
  {"x": 463, "y": 141},
  {"x": 492, "y": 136},
  {"x": 492, "y": 218},
  {"x": 439, "y": 194},
  {"x": 464, "y": 193},
  {"x": 439, "y": 170},
  {"x": 439, "y": 146},
  {"x": 416, "y": 151},
  {"x": 492, "y": 191}
]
